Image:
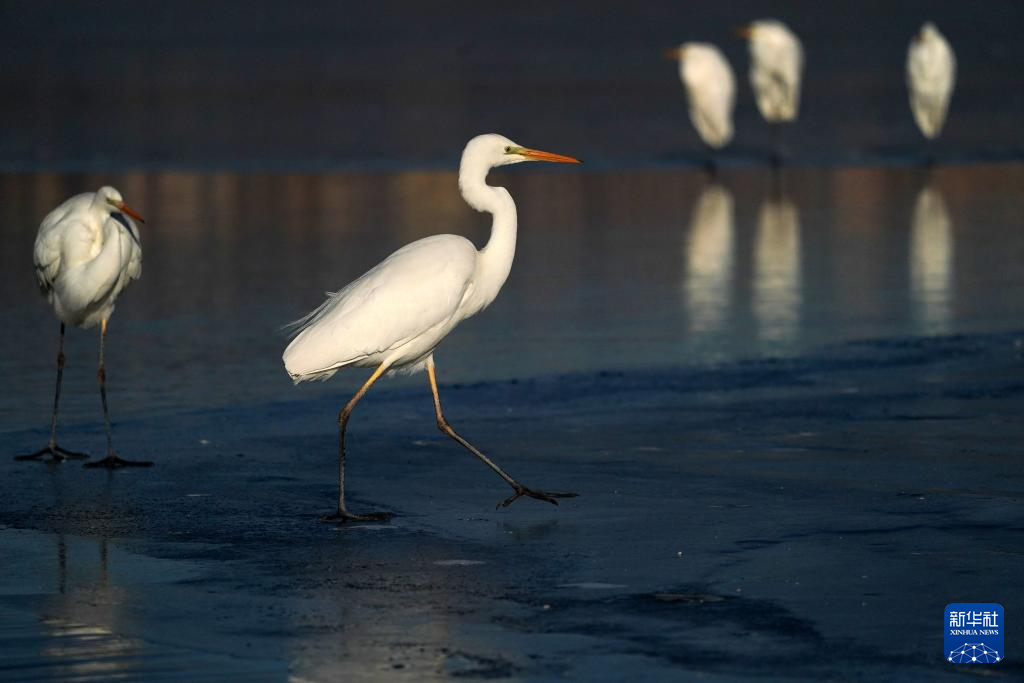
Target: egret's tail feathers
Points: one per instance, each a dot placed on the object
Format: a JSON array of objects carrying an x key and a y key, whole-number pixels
[
  {"x": 293, "y": 328},
  {"x": 315, "y": 376}
]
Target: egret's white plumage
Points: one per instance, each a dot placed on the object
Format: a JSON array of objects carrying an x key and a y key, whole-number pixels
[
  {"x": 710, "y": 88},
  {"x": 398, "y": 311},
  {"x": 931, "y": 75},
  {"x": 776, "y": 69},
  {"x": 87, "y": 251},
  {"x": 395, "y": 313},
  {"x": 394, "y": 316}
]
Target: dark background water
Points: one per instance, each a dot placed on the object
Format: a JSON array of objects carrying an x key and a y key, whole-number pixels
[
  {"x": 325, "y": 84},
  {"x": 791, "y": 403}
]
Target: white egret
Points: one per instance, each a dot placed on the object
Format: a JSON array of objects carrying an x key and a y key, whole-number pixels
[
  {"x": 776, "y": 69},
  {"x": 394, "y": 316},
  {"x": 86, "y": 252},
  {"x": 710, "y": 89},
  {"x": 931, "y": 74}
]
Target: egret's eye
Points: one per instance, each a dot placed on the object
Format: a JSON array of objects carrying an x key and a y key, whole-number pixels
[{"x": 508, "y": 149}]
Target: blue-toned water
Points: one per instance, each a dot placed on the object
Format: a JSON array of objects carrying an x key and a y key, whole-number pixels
[
  {"x": 790, "y": 402},
  {"x": 614, "y": 271},
  {"x": 267, "y": 85}
]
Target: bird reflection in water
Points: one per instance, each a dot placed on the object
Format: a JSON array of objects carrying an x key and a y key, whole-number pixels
[
  {"x": 81, "y": 620},
  {"x": 931, "y": 262},
  {"x": 777, "y": 295},
  {"x": 707, "y": 285}
]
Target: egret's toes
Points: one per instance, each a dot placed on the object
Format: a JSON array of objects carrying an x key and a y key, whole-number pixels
[
  {"x": 344, "y": 516},
  {"x": 113, "y": 461},
  {"x": 52, "y": 454},
  {"x": 71, "y": 455},
  {"x": 547, "y": 496}
]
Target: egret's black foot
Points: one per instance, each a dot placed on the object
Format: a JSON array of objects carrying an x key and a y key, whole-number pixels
[
  {"x": 53, "y": 453},
  {"x": 343, "y": 516},
  {"x": 113, "y": 461},
  {"x": 548, "y": 496}
]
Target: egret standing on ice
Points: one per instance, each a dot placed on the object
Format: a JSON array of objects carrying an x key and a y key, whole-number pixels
[
  {"x": 776, "y": 68},
  {"x": 710, "y": 89},
  {"x": 86, "y": 253},
  {"x": 394, "y": 316},
  {"x": 931, "y": 73}
]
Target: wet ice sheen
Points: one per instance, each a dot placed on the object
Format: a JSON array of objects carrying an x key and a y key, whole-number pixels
[{"x": 614, "y": 271}]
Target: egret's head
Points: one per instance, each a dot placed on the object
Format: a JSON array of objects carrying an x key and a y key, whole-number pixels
[
  {"x": 109, "y": 195},
  {"x": 497, "y": 150},
  {"x": 928, "y": 32},
  {"x": 112, "y": 198},
  {"x": 676, "y": 53},
  {"x": 692, "y": 52},
  {"x": 768, "y": 30},
  {"x": 696, "y": 60}
]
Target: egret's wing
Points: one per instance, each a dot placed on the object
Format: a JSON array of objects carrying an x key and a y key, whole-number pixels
[
  {"x": 783, "y": 95},
  {"x": 410, "y": 293},
  {"x": 931, "y": 71},
  {"x": 712, "y": 103},
  {"x": 49, "y": 254},
  {"x": 773, "y": 92}
]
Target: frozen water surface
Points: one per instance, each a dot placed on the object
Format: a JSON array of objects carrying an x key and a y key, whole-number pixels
[
  {"x": 789, "y": 408},
  {"x": 792, "y": 405}
]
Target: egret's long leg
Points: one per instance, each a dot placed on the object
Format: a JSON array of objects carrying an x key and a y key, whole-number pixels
[
  {"x": 113, "y": 459},
  {"x": 343, "y": 515},
  {"x": 928, "y": 159},
  {"x": 55, "y": 452},
  {"x": 777, "y": 155},
  {"x": 518, "y": 488}
]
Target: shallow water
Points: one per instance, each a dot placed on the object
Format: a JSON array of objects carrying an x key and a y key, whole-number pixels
[{"x": 614, "y": 271}]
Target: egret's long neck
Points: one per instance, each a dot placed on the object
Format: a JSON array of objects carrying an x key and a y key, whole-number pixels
[{"x": 495, "y": 260}]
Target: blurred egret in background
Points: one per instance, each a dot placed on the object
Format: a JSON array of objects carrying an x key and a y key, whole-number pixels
[
  {"x": 931, "y": 75},
  {"x": 710, "y": 88},
  {"x": 394, "y": 316},
  {"x": 776, "y": 69},
  {"x": 86, "y": 252}
]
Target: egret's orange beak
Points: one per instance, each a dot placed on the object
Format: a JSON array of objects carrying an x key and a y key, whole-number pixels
[
  {"x": 124, "y": 208},
  {"x": 538, "y": 155},
  {"x": 743, "y": 32}
]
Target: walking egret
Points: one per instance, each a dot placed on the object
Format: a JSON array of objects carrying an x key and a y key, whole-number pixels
[
  {"x": 931, "y": 74},
  {"x": 776, "y": 69},
  {"x": 86, "y": 252},
  {"x": 394, "y": 316},
  {"x": 710, "y": 88}
]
